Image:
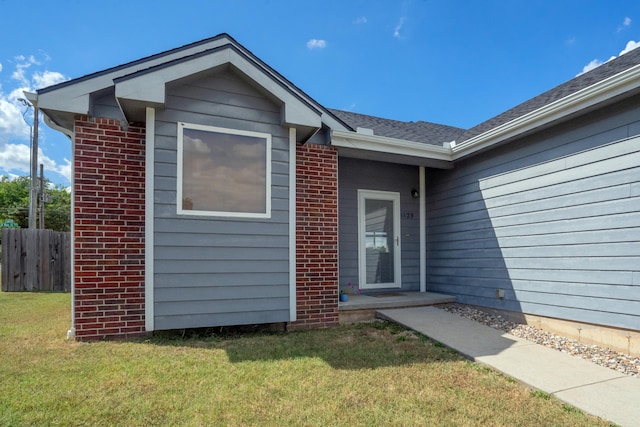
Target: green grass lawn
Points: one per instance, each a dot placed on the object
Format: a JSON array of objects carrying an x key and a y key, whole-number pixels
[{"x": 367, "y": 374}]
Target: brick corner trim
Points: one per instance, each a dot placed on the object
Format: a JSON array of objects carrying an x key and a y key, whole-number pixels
[
  {"x": 109, "y": 215},
  {"x": 316, "y": 237}
]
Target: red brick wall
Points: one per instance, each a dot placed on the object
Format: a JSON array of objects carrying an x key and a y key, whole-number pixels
[
  {"x": 109, "y": 229},
  {"x": 316, "y": 237}
]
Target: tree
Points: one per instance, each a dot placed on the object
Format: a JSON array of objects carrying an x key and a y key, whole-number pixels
[
  {"x": 14, "y": 203},
  {"x": 57, "y": 213},
  {"x": 14, "y": 200}
]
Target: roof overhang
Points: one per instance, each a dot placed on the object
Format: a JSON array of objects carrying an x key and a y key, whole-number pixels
[
  {"x": 147, "y": 88},
  {"x": 373, "y": 147},
  {"x": 142, "y": 83},
  {"x": 607, "y": 91},
  {"x": 62, "y": 102}
]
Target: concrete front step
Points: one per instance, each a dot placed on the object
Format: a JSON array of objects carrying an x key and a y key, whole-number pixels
[{"x": 362, "y": 308}]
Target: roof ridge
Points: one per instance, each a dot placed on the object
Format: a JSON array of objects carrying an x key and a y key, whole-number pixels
[
  {"x": 135, "y": 62},
  {"x": 418, "y": 131},
  {"x": 571, "y": 86},
  {"x": 394, "y": 120}
]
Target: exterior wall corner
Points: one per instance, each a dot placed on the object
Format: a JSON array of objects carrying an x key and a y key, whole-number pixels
[
  {"x": 316, "y": 237},
  {"x": 109, "y": 219}
]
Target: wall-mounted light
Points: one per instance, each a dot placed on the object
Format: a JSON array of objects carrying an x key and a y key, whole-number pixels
[{"x": 415, "y": 193}]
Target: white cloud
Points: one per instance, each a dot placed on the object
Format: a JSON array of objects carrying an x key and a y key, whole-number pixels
[
  {"x": 15, "y": 157},
  {"x": 316, "y": 44},
  {"x": 595, "y": 63},
  {"x": 625, "y": 24},
  {"x": 23, "y": 64},
  {"x": 11, "y": 121},
  {"x": 65, "y": 170},
  {"x": 50, "y": 165},
  {"x": 27, "y": 75},
  {"x": 360, "y": 20},
  {"x": 12, "y": 111},
  {"x": 47, "y": 78},
  {"x": 396, "y": 30},
  {"x": 631, "y": 45}
]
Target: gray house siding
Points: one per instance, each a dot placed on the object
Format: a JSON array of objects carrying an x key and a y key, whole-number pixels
[
  {"x": 354, "y": 174},
  {"x": 552, "y": 220},
  {"x": 216, "y": 271}
]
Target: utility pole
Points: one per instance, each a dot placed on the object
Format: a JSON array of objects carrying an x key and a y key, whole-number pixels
[
  {"x": 42, "y": 196},
  {"x": 33, "y": 195}
]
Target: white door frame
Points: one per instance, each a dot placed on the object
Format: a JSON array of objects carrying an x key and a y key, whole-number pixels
[{"x": 393, "y": 196}]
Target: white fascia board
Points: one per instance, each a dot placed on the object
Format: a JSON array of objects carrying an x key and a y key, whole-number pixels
[
  {"x": 292, "y": 226},
  {"x": 564, "y": 107},
  {"x": 152, "y": 91},
  {"x": 74, "y": 97},
  {"x": 296, "y": 112},
  {"x": 332, "y": 123},
  {"x": 149, "y": 245},
  {"x": 385, "y": 144},
  {"x": 71, "y": 103},
  {"x": 149, "y": 87}
]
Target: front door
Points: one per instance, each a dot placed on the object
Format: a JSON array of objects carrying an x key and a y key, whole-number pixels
[{"x": 379, "y": 239}]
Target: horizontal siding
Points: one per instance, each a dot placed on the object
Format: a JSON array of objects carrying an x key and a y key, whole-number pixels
[
  {"x": 231, "y": 280},
  {"x": 221, "y": 293},
  {"x": 216, "y": 271},
  {"x": 227, "y": 318},
  {"x": 591, "y": 131},
  {"x": 237, "y": 304},
  {"x": 551, "y": 219},
  {"x": 354, "y": 174},
  {"x": 215, "y": 267}
]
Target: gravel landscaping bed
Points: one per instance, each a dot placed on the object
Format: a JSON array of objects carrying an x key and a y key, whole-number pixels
[{"x": 606, "y": 357}]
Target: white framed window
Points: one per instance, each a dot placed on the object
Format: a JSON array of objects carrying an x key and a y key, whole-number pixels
[{"x": 223, "y": 172}]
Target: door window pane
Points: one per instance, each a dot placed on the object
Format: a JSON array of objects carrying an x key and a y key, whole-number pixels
[{"x": 379, "y": 241}]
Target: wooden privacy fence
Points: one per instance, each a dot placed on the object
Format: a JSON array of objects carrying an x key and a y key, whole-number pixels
[{"x": 35, "y": 260}]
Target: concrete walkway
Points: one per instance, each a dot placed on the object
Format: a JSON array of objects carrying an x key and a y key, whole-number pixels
[{"x": 589, "y": 387}]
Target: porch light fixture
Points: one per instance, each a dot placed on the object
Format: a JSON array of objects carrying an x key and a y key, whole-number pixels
[{"x": 415, "y": 193}]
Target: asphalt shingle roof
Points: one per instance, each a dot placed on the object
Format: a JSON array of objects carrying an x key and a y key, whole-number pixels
[
  {"x": 436, "y": 134},
  {"x": 606, "y": 70},
  {"x": 424, "y": 132}
]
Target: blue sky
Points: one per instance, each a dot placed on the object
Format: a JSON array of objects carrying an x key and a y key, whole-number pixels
[{"x": 451, "y": 62}]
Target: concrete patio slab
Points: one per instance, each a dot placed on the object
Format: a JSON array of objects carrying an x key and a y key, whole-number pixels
[
  {"x": 362, "y": 308},
  {"x": 394, "y": 300}
]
